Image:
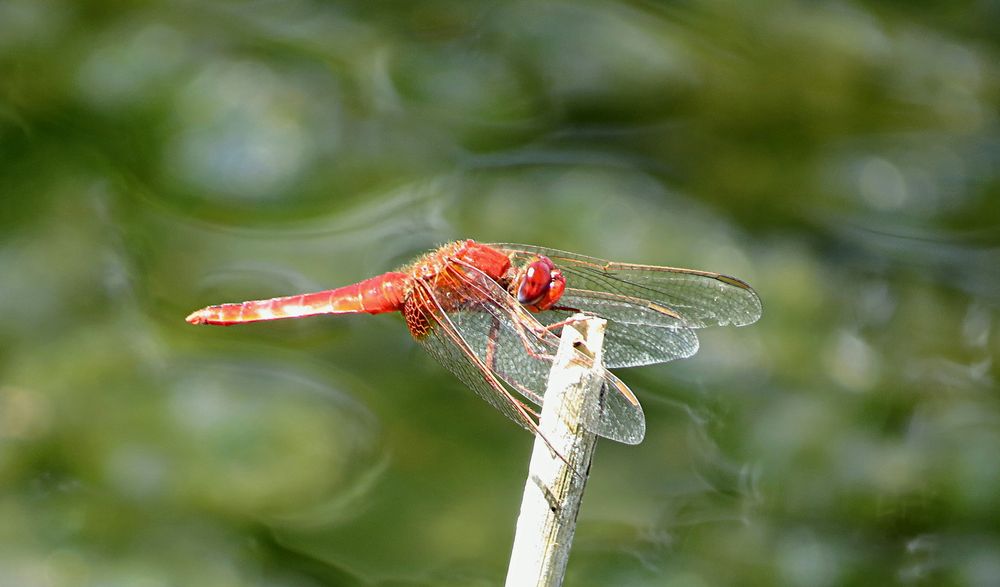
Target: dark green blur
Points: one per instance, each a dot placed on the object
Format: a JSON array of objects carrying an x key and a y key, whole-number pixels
[{"x": 158, "y": 156}]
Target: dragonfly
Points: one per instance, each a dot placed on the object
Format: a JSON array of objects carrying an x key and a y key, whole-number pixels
[{"x": 491, "y": 313}]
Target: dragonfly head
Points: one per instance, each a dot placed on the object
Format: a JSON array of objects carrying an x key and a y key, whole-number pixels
[{"x": 541, "y": 285}]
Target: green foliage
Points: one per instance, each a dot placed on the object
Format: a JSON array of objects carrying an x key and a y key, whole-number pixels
[{"x": 159, "y": 156}]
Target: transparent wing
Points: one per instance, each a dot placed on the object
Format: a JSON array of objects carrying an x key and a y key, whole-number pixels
[
  {"x": 438, "y": 335},
  {"x": 505, "y": 338},
  {"x": 636, "y": 334},
  {"x": 698, "y": 298}
]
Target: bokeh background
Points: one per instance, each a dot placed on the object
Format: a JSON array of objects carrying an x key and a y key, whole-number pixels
[{"x": 158, "y": 156}]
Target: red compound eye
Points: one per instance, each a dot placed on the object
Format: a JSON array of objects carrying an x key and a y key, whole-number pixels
[
  {"x": 535, "y": 283},
  {"x": 541, "y": 285}
]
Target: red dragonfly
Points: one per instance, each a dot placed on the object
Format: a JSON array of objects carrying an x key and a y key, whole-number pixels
[{"x": 489, "y": 313}]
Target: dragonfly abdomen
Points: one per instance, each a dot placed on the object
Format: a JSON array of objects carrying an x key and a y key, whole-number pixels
[{"x": 376, "y": 295}]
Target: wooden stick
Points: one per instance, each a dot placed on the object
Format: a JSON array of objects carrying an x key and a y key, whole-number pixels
[{"x": 554, "y": 487}]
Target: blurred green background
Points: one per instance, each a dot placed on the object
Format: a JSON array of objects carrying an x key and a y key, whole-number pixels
[{"x": 160, "y": 155}]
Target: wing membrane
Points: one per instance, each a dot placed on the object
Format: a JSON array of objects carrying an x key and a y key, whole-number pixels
[
  {"x": 699, "y": 298},
  {"x": 513, "y": 345},
  {"x": 446, "y": 344},
  {"x": 635, "y": 335}
]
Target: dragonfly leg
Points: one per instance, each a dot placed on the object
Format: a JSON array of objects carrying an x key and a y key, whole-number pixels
[
  {"x": 490, "y": 360},
  {"x": 491, "y": 344},
  {"x": 527, "y": 344},
  {"x": 561, "y": 323}
]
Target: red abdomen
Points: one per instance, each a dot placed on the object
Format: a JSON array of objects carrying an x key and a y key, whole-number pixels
[{"x": 376, "y": 295}]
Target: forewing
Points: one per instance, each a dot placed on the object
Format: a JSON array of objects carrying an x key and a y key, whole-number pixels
[
  {"x": 699, "y": 298},
  {"x": 519, "y": 350}
]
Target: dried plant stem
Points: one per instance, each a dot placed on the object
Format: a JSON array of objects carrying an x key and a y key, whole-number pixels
[{"x": 554, "y": 488}]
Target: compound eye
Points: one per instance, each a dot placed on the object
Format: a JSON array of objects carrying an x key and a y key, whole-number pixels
[{"x": 535, "y": 283}]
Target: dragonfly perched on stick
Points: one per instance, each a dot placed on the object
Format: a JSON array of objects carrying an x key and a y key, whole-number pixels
[{"x": 490, "y": 313}]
